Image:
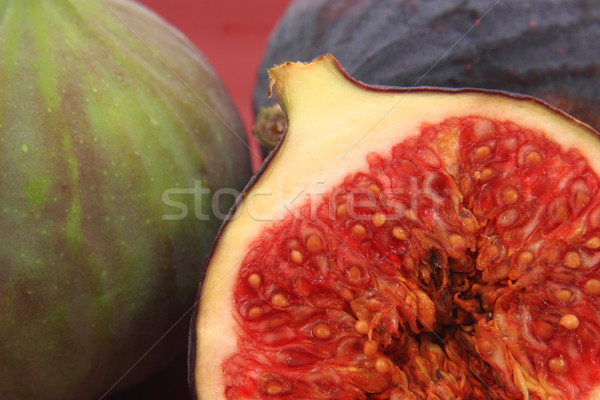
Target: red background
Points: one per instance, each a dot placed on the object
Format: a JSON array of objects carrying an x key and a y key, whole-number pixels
[{"x": 232, "y": 35}]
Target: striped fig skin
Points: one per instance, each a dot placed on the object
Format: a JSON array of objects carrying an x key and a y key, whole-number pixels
[
  {"x": 111, "y": 124},
  {"x": 544, "y": 48}
]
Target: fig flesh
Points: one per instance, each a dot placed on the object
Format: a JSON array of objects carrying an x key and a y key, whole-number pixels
[{"x": 407, "y": 244}]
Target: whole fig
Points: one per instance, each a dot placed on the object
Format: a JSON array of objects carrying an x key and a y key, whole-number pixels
[{"x": 116, "y": 137}]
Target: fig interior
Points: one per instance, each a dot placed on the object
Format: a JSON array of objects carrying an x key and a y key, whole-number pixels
[
  {"x": 426, "y": 276},
  {"x": 455, "y": 256}
]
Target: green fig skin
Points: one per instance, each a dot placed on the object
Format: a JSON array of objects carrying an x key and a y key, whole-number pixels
[{"x": 113, "y": 129}]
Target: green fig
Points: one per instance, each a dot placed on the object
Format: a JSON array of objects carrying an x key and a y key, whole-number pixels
[{"x": 120, "y": 151}]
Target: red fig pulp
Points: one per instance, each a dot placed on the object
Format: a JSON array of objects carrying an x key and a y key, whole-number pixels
[{"x": 422, "y": 244}]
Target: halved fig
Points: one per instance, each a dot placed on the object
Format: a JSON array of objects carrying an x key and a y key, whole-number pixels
[{"x": 407, "y": 244}]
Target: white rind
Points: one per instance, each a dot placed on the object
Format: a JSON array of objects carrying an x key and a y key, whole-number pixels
[{"x": 374, "y": 120}]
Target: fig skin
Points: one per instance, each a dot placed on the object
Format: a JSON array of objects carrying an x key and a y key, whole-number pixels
[
  {"x": 333, "y": 123},
  {"x": 545, "y": 49},
  {"x": 109, "y": 120}
]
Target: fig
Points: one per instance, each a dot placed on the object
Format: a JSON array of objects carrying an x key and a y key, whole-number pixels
[
  {"x": 116, "y": 137},
  {"x": 416, "y": 243},
  {"x": 546, "y": 49}
]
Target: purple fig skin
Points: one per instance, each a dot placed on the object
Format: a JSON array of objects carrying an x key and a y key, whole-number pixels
[{"x": 545, "y": 49}]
